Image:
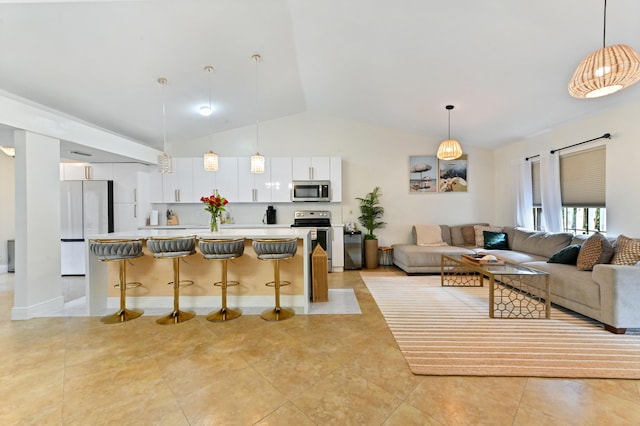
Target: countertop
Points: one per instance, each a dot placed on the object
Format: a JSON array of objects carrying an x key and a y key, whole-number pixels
[{"x": 224, "y": 232}]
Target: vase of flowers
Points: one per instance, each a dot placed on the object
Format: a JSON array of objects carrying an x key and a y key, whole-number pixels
[{"x": 215, "y": 205}]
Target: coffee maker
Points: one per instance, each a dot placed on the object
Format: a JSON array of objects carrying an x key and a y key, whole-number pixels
[{"x": 270, "y": 216}]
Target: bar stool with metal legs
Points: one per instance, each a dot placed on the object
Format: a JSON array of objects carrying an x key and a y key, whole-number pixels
[
  {"x": 120, "y": 251},
  {"x": 276, "y": 250},
  {"x": 224, "y": 250},
  {"x": 175, "y": 249}
]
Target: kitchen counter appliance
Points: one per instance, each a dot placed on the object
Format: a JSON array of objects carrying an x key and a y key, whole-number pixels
[
  {"x": 311, "y": 190},
  {"x": 320, "y": 223}
]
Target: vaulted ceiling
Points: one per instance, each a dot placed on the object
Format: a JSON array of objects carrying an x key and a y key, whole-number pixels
[{"x": 504, "y": 64}]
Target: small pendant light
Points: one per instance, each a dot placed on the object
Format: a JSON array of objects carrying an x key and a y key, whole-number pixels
[
  {"x": 210, "y": 158},
  {"x": 257, "y": 160},
  {"x": 449, "y": 149},
  {"x": 164, "y": 160}
]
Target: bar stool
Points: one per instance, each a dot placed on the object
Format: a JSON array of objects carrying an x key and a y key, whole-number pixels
[
  {"x": 173, "y": 248},
  {"x": 223, "y": 250},
  {"x": 120, "y": 251},
  {"x": 276, "y": 250}
]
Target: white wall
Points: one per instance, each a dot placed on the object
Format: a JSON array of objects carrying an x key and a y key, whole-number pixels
[
  {"x": 371, "y": 156},
  {"x": 623, "y": 157},
  {"x": 7, "y": 199}
]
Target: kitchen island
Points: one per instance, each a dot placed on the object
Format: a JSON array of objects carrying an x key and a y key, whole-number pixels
[{"x": 154, "y": 274}]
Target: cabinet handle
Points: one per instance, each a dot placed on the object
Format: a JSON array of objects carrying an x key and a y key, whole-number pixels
[
  {"x": 135, "y": 210},
  {"x": 310, "y": 172},
  {"x": 254, "y": 195},
  {"x": 178, "y": 195},
  {"x": 87, "y": 172},
  {"x": 135, "y": 195},
  {"x": 175, "y": 195}
]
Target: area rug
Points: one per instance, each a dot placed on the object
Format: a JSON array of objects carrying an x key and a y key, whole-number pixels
[{"x": 447, "y": 331}]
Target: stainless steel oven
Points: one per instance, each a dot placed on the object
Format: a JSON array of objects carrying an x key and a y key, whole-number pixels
[{"x": 321, "y": 232}]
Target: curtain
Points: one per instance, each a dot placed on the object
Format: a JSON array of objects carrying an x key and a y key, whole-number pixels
[
  {"x": 550, "y": 192},
  {"x": 524, "y": 203}
]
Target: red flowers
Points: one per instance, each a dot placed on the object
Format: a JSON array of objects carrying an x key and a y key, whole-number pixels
[{"x": 214, "y": 204}]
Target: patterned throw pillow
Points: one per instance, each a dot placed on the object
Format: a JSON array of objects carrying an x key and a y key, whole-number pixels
[
  {"x": 479, "y": 229},
  {"x": 596, "y": 249},
  {"x": 626, "y": 251}
]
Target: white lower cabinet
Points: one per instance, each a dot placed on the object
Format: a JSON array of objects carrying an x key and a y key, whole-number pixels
[
  {"x": 337, "y": 249},
  {"x": 125, "y": 217}
]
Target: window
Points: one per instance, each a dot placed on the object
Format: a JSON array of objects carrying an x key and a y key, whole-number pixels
[{"x": 582, "y": 184}]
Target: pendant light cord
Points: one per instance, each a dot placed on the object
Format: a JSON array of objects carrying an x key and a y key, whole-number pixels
[
  {"x": 604, "y": 32},
  {"x": 257, "y": 58},
  {"x": 449, "y": 125}
]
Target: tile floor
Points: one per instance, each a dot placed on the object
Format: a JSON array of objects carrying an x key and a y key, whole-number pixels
[{"x": 312, "y": 369}]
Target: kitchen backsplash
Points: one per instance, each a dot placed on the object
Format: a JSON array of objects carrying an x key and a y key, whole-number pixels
[{"x": 243, "y": 213}]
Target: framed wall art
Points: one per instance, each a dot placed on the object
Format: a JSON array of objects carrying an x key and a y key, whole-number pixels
[
  {"x": 452, "y": 175},
  {"x": 423, "y": 174}
]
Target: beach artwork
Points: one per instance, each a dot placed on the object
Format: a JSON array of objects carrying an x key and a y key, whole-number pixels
[
  {"x": 452, "y": 175},
  {"x": 423, "y": 173}
]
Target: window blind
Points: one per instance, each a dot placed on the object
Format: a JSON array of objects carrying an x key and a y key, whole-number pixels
[{"x": 582, "y": 179}]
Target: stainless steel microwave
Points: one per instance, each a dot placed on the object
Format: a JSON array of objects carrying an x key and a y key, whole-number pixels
[{"x": 311, "y": 190}]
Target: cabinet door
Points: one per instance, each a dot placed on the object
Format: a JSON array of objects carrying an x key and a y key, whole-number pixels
[
  {"x": 177, "y": 186},
  {"x": 125, "y": 217},
  {"x": 281, "y": 177},
  {"x": 301, "y": 168},
  {"x": 227, "y": 178},
  {"x": 125, "y": 182},
  {"x": 102, "y": 171},
  {"x": 154, "y": 188},
  {"x": 321, "y": 168},
  {"x": 76, "y": 171},
  {"x": 204, "y": 182},
  {"x": 253, "y": 187},
  {"x": 337, "y": 249},
  {"x": 336, "y": 179}
]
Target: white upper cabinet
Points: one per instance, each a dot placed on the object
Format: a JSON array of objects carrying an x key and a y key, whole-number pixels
[
  {"x": 336, "y": 179},
  {"x": 125, "y": 181},
  {"x": 311, "y": 168},
  {"x": 102, "y": 171},
  {"x": 281, "y": 177},
  {"x": 227, "y": 178},
  {"x": 177, "y": 186},
  {"x": 75, "y": 171},
  {"x": 253, "y": 187},
  {"x": 204, "y": 182}
]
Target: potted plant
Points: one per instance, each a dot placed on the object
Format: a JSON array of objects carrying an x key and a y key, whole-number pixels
[{"x": 371, "y": 213}]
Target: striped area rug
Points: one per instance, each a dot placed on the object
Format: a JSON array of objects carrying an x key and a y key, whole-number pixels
[{"x": 447, "y": 331}]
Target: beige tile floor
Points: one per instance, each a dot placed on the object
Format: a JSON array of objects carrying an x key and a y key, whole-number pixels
[{"x": 320, "y": 369}]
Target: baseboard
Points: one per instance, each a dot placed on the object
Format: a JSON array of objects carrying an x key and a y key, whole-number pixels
[{"x": 42, "y": 309}]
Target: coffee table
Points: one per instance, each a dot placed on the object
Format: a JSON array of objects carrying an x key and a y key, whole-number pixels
[{"x": 515, "y": 291}]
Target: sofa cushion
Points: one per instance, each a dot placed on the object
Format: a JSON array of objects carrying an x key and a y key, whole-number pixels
[
  {"x": 596, "y": 249},
  {"x": 539, "y": 242},
  {"x": 513, "y": 256},
  {"x": 429, "y": 235},
  {"x": 567, "y": 255},
  {"x": 464, "y": 235},
  {"x": 412, "y": 255},
  {"x": 479, "y": 236},
  {"x": 468, "y": 235},
  {"x": 626, "y": 251},
  {"x": 495, "y": 240}
]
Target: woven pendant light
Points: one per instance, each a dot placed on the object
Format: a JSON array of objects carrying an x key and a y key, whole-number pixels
[
  {"x": 606, "y": 70},
  {"x": 449, "y": 149}
]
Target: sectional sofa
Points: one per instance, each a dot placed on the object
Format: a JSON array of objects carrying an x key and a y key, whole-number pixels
[{"x": 608, "y": 293}]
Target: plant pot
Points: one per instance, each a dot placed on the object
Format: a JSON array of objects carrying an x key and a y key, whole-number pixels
[{"x": 371, "y": 254}]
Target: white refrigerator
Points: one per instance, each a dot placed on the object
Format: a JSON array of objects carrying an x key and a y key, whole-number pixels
[{"x": 86, "y": 208}]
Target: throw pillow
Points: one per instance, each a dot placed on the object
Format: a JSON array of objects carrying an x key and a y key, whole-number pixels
[
  {"x": 495, "y": 240},
  {"x": 567, "y": 255},
  {"x": 596, "y": 249},
  {"x": 469, "y": 235},
  {"x": 479, "y": 229},
  {"x": 429, "y": 235},
  {"x": 626, "y": 251}
]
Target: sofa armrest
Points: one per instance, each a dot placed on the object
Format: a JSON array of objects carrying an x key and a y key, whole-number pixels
[{"x": 619, "y": 294}]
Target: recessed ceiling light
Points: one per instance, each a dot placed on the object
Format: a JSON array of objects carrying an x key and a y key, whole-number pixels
[{"x": 205, "y": 111}]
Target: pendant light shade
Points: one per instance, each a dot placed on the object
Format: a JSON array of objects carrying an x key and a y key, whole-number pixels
[
  {"x": 449, "y": 149},
  {"x": 257, "y": 160},
  {"x": 164, "y": 160},
  {"x": 606, "y": 70},
  {"x": 210, "y": 158}
]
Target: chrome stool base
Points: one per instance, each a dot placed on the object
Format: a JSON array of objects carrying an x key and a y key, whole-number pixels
[
  {"x": 121, "y": 316},
  {"x": 176, "y": 317},
  {"x": 277, "y": 314},
  {"x": 224, "y": 314}
]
